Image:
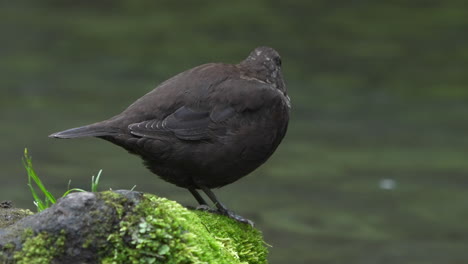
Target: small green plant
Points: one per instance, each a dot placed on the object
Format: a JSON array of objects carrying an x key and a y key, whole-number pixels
[{"x": 49, "y": 198}]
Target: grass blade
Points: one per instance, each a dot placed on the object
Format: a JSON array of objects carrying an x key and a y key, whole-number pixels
[
  {"x": 95, "y": 183},
  {"x": 32, "y": 177}
]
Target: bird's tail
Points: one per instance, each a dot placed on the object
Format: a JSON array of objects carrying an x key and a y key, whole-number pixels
[{"x": 93, "y": 130}]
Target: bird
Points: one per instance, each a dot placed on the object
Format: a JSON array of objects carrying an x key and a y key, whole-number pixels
[{"x": 206, "y": 127}]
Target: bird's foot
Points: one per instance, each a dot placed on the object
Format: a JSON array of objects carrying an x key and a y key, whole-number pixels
[
  {"x": 228, "y": 213},
  {"x": 236, "y": 217},
  {"x": 206, "y": 208},
  {"x": 221, "y": 208}
]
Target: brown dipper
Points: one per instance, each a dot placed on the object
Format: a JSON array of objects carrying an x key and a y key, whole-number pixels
[{"x": 205, "y": 127}]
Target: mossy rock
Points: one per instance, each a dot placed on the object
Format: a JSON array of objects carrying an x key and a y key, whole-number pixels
[
  {"x": 128, "y": 227},
  {"x": 10, "y": 215}
]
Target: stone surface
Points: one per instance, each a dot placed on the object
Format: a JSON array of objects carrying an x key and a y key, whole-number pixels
[{"x": 84, "y": 218}]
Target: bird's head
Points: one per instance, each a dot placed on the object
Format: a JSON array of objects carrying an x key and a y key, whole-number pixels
[{"x": 265, "y": 64}]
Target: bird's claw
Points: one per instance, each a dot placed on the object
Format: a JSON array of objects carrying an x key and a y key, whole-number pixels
[
  {"x": 228, "y": 213},
  {"x": 204, "y": 207},
  {"x": 237, "y": 217}
]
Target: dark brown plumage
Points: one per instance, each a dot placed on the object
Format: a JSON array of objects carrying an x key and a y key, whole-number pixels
[{"x": 205, "y": 127}]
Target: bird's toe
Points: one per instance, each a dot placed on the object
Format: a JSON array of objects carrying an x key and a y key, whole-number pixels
[
  {"x": 204, "y": 207},
  {"x": 238, "y": 218}
]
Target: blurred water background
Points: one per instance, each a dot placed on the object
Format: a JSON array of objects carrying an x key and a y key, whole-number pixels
[{"x": 374, "y": 167}]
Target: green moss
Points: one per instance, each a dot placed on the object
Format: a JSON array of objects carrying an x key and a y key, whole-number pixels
[
  {"x": 41, "y": 248},
  {"x": 240, "y": 239},
  {"x": 97, "y": 237},
  {"x": 115, "y": 200},
  {"x": 162, "y": 231},
  {"x": 7, "y": 250}
]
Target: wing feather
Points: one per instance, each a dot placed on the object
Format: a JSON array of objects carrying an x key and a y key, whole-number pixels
[{"x": 185, "y": 123}]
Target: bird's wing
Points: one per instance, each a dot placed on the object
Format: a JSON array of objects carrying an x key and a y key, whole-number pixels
[
  {"x": 248, "y": 95},
  {"x": 221, "y": 101},
  {"x": 185, "y": 123}
]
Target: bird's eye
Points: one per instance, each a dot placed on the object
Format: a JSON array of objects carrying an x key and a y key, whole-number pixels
[{"x": 278, "y": 61}]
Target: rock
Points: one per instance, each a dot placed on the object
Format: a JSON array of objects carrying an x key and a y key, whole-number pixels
[{"x": 128, "y": 227}]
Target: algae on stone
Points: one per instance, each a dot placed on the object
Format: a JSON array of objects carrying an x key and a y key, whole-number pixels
[
  {"x": 162, "y": 231},
  {"x": 41, "y": 248}
]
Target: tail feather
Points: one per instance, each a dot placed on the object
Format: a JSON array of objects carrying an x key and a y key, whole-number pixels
[{"x": 84, "y": 131}]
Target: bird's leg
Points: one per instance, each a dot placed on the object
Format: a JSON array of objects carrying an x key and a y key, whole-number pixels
[
  {"x": 222, "y": 209},
  {"x": 197, "y": 196}
]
